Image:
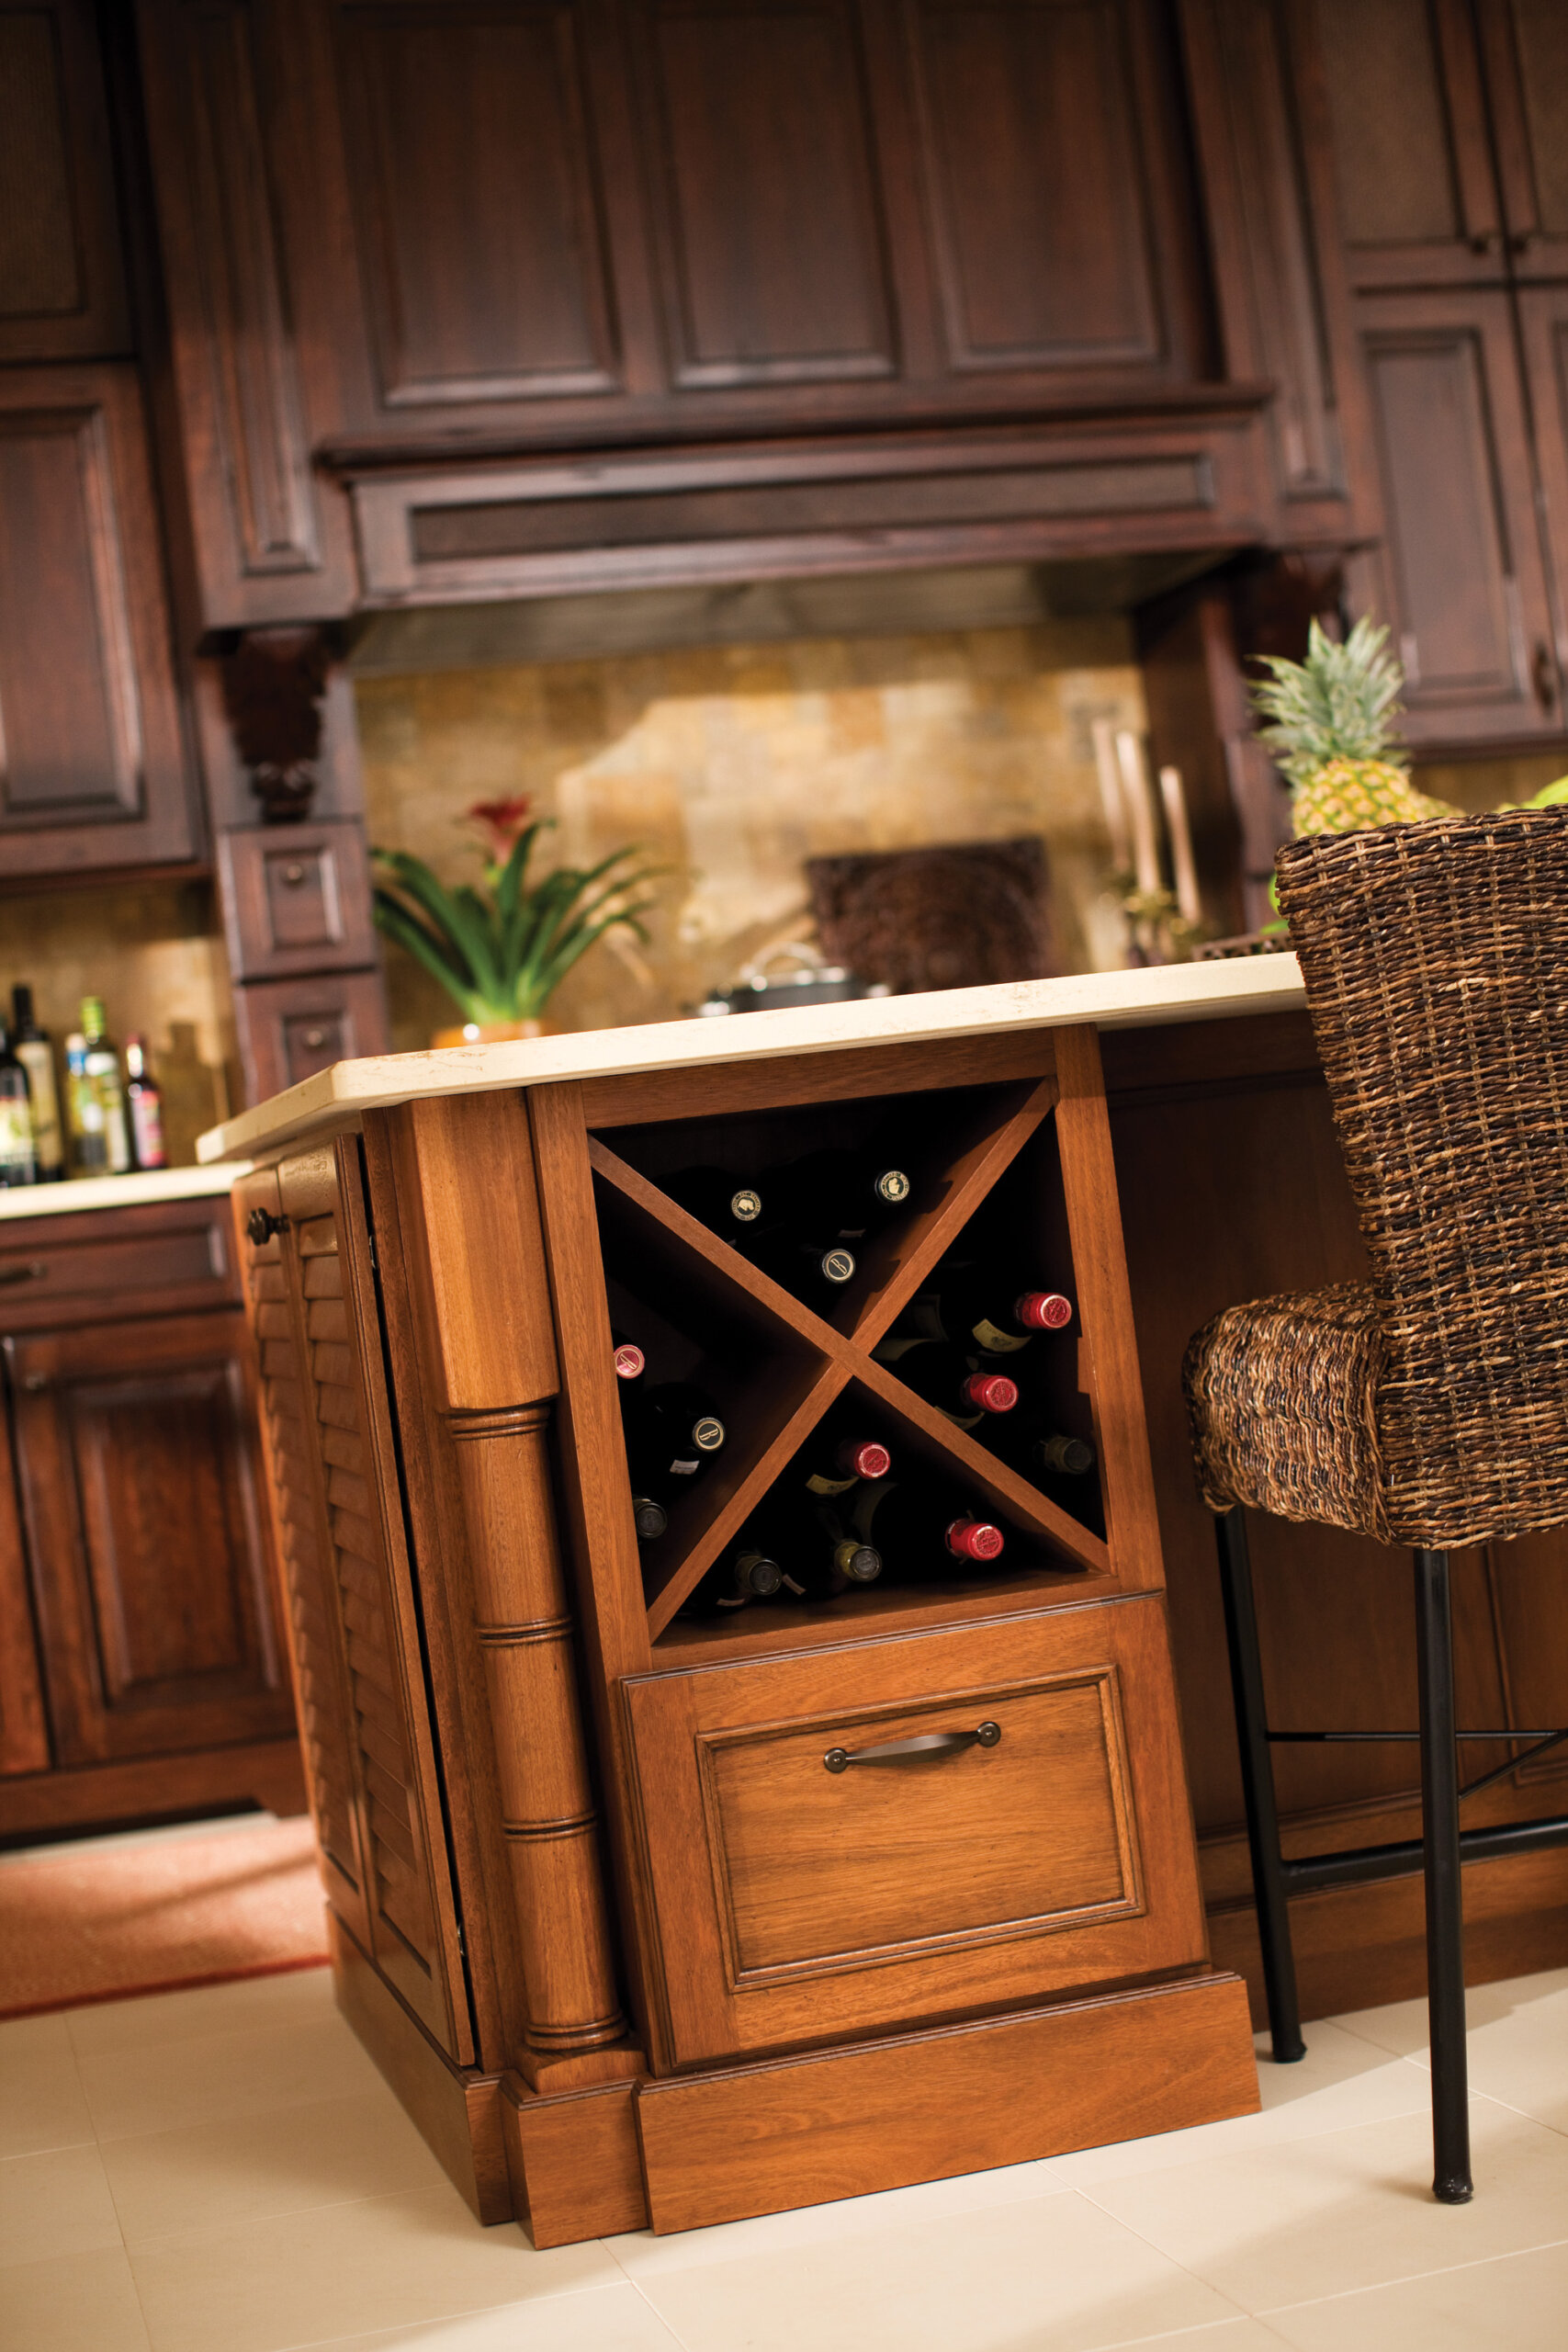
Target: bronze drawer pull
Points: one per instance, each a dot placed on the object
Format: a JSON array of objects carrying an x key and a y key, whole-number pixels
[
  {"x": 34, "y": 1271},
  {"x": 907, "y": 1751},
  {"x": 261, "y": 1225}
]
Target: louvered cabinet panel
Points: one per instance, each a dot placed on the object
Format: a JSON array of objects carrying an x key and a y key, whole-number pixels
[
  {"x": 411, "y": 1916},
  {"x": 286, "y": 1428}
]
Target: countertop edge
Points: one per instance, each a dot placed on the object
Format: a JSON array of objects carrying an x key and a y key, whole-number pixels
[
  {"x": 80, "y": 1198},
  {"x": 1214, "y": 991}
]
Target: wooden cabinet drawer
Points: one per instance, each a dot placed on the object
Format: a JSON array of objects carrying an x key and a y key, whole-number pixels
[
  {"x": 290, "y": 1029},
  {"x": 82, "y": 1267},
  {"x": 801, "y": 1897},
  {"x": 297, "y": 898}
]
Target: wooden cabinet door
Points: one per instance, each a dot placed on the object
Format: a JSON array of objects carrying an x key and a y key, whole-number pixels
[
  {"x": 61, "y": 275},
  {"x": 92, "y": 757},
  {"x": 24, "y": 1731},
  {"x": 1525, "y": 43},
  {"x": 1420, "y": 199},
  {"x": 137, "y": 1470},
  {"x": 809, "y": 1888},
  {"x": 1461, "y": 574}
]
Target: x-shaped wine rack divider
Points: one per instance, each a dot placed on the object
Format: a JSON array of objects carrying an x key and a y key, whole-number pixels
[{"x": 898, "y": 1261}]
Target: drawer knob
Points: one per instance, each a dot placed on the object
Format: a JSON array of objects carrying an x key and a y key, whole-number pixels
[
  {"x": 294, "y": 874},
  {"x": 261, "y": 1225},
  {"x": 33, "y": 1271},
  {"x": 910, "y": 1751}
]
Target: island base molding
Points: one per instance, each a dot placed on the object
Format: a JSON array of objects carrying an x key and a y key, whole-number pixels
[{"x": 686, "y": 2152}]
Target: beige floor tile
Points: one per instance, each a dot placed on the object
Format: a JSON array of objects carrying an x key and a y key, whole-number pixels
[
  {"x": 41, "y": 2101},
  {"x": 217, "y": 2176},
  {"x": 1341, "y": 2082},
  {"x": 222, "y": 2076},
  {"x": 1518, "y": 2303},
  {"x": 333, "y": 2270},
  {"x": 597, "y": 2319},
  {"x": 1224, "y": 2335},
  {"x": 56, "y": 2202},
  {"x": 1343, "y": 2210},
  {"x": 1518, "y": 2042},
  {"x": 1052, "y": 2275},
  {"x": 295, "y": 1996},
  {"x": 77, "y": 2302},
  {"x": 643, "y": 2256}
]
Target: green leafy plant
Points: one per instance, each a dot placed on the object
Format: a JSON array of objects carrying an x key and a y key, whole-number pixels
[{"x": 500, "y": 953}]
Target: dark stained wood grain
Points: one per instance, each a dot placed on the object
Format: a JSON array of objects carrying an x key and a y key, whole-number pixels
[
  {"x": 156, "y": 1258},
  {"x": 61, "y": 269},
  {"x": 296, "y": 898},
  {"x": 287, "y": 1030},
  {"x": 959, "y": 2100}
]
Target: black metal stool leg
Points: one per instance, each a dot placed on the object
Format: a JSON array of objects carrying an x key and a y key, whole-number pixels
[
  {"x": 1445, "y": 1910},
  {"x": 1257, "y": 1788}
]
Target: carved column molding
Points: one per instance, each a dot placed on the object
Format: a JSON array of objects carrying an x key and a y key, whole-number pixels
[{"x": 524, "y": 1628}]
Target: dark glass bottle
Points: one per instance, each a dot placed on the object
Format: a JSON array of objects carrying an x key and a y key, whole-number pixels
[
  {"x": 980, "y": 1307},
  {"x": 146, "y": 1103},
  {"x": 819, "y": 1556},
  {"x": 102, "y": 1067},
  {"x": 744, "y": 1575},
  {"x": 920, "y": 1530},
  {"x": 946, "y": 1377},
  {"x": 18, "y": 1161},
  {"x": 838, "y": 1455},
  {"x": 725, "y": 1203},
  {"x": 35, "y": 1051},
  {"x": 1062, "y": 1456},
  {"x": 631, "y": 1365},
  {"x": 810, "y": 1265},
  {"x": 841, "y": 1195},
  {"x": 672, "y": 1433}
]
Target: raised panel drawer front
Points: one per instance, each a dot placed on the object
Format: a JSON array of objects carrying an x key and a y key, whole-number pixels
[{"x": 815, "y": 1877}]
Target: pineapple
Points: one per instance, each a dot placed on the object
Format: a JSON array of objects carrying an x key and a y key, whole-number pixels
[{"x": 1331, "y": 732}]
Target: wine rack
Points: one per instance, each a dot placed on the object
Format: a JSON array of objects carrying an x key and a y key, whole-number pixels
[{"x": 779, "y": 1364}]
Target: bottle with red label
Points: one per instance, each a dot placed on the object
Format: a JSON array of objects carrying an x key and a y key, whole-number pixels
[
  {"x": 146, "y": 1103},
  {"x": 949, "y": 1378},
  {"x": 980, "y": 1307},
  {"x": 923, "y": 1530}
]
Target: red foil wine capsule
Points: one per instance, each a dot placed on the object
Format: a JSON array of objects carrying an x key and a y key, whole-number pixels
[
  {"x": 1043, "y": 1310},
  {"x": 863, "y": 1458},
  {"x": 630, "y": 1362},
  {"x": 991, "y": 1392},
  {"x": 974, "y": 1539}
]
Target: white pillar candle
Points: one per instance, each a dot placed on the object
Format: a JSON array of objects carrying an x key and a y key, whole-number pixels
[
  {"x": 1140, "y": 810},
  {"x": 1104, "y": 736},
  {"x": 1178, "y": 833}
]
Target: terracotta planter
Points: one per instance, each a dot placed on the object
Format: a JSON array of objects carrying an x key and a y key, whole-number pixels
[{"x": 489, "y": 1033}]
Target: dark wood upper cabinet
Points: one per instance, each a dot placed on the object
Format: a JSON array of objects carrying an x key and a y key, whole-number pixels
[
  {"x": 93, "y": 769},
  {"x": 474, "y": 158},
  {"x": 1036, "y": 143},
  {"x": 61, "y": 271},
  {"x": 1543, "y": 323},
  {"x": 1451, "y": 132},
  {"x": 1461, "y": 573},
  {"x": 763, "y": 169}
]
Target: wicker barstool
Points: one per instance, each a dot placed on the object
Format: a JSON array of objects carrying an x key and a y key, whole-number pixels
[{"x": 1427, "y": 1407}]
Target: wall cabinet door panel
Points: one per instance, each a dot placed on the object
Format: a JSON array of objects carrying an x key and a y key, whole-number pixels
[
  {"x": 474, "y": 157},
  {"x": 138, "y": 1478},
  {"x": 92, "y": 755},
  {"x": 1461, "y": 573},
  {"x": 1525, "y": 43},
  {"x": 1543, "y": 321},
  {"x": 61, "y": 275},
  {"x": 762, "y": 162}
]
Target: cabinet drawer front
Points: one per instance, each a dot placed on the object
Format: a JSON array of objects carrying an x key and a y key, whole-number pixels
[
  {"x": 297, "y": 898},
  {"x": 800, "y": 1898},
  {"x": 825, "y": 1868},
  {"x": 159, "y": 1261}
]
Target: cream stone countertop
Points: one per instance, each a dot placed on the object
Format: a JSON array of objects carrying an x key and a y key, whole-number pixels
[
  {"x": 116, "y": 1191},
  {"x": 335, "y": 1097}
]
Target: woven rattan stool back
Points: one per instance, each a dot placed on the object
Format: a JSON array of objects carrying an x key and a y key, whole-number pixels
[{"x": 1436, "y": 963}]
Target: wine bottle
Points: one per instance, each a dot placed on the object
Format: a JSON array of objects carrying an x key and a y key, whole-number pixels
[
  {"x": 18, "y": 1159},
  {"x": 84, "y": 1111},
  {"x": 978, "y": 1307},
  {"x": 672, "y": 1433},
  {"x": 649, "y": 1518},
  {"x": 33, "y": 1049},
  {"x": 838, "y": 1457},
  {"x": 921, "y": 1530},
  {"x": 101, "y": 1066},
  {"x": 819, "y": 1556},
  {"x": 809, "y": 1264},
  {"x": 843, "y": 1195},
  {"x": 145, "y": 1099},
  {"x": 747, "y": 1574},
  {"x": 727, "y": 1206},
  {"x": 1064, "y": 1456},
  {"x": 946, "y": 1378},
  {"x": 631, "y": 1365}
]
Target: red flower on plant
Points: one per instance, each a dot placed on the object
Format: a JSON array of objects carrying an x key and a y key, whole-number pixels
[{"x": 501, "y": 821}]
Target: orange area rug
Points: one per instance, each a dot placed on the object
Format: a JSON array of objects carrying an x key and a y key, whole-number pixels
[{"x": 149, "y": 1915}]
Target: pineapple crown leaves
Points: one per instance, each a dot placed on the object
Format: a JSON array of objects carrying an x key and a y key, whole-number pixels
[{"x": 1339, "y": 704}]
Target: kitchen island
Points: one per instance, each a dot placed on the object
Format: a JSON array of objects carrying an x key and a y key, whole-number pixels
[{"x": 627, "y": 1949}]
